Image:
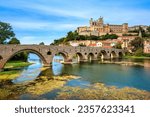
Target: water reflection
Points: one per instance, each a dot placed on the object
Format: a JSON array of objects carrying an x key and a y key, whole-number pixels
[
  {"x": 57, "y": 67},
  {"x": 29, "y": 73}
]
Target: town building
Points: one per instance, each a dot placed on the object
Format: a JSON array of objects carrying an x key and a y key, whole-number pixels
[
  {"x": 109, "y": 43},
  {"x": 98, "y": 28}
]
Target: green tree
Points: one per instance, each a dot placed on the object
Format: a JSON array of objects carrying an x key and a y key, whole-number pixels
[
  {"x": 70, "y": 36},
  {"x": 118, "y": 46},
  {"x": 6, "y": 32},
  {"x": 139, "y": 52},
  {"x": 42, "y": 43},
  {"x": 14, "y": 41},
  {"x": 137, "y": 43},
  {"x": 23, "y": 56}
]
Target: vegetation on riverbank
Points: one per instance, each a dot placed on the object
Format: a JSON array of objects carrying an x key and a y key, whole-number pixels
[
  {"x": 16, "y": 64},
  {"x": 136, "y": 57},
  {"x": 10, "y": 71},
  {"x": 99, "y": 91}
]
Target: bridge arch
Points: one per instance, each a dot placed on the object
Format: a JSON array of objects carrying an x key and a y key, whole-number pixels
[
  {"x": 102, "y": 55},
  {"x": 80, "y": 57},
  {"x": 113, "y": 55},
  {"x": 26, "y": 50},
  {"x": 90, "y": 56},
  {"x": 63, "y": 54},
  {"x": 120, "y": 54},
  {"x": 1, "y": 57}
]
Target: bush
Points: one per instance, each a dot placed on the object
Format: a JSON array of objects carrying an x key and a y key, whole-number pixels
[{"x": 139, "y": 52}]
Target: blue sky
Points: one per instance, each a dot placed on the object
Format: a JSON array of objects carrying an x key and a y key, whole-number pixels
[{"x": 36, "y": 21}]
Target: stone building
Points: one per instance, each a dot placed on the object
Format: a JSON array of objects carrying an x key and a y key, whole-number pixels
[{"x": 98, "y": 28}]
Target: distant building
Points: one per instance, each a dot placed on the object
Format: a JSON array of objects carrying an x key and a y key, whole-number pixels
[
  {"x": 147, "y": 46},
  {"x": 133, "y": 28},
  {"x": 98, "y": 28}
]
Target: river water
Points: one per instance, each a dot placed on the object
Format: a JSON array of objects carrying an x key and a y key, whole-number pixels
[{"x": 124, "y": 74}]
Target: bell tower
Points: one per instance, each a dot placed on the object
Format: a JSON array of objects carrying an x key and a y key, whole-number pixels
[
  {"x": 100, "y": 21},
  {"x": 91, "y": 22}
]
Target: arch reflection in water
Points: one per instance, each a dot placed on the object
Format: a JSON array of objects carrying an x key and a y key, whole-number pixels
[
  {"x": 30, "y": 72},
  {"x": 57, "y": 67}
]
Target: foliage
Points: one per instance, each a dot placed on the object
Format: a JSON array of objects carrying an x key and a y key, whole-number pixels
[
  {"x": 109, "y": 36},
  {"x": 82, "y": 45},
  {"x": 6, "y": 32},
  {"x": 16, "y": 64},
  {"x": 130, "y": 34},
  {"x": 137, "y": 43},
  {"x": 139, "y": 52},
  {"x": 118, "y": 46},
  {"x": 23, "y": 56},
  {"x": 146, "y": 54},
  {"x": 71, "y": 36},
  {"x": 14, "y": 41},
  {"x": 42, "y": 43}
]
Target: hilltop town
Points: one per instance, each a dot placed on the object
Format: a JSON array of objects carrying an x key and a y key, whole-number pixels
[{"x": 99, "y": 34}]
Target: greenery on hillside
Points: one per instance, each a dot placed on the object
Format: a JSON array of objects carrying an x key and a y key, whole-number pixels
[
  {"x": 137, "y": 47},
  {"x": 71, "y": 36}
]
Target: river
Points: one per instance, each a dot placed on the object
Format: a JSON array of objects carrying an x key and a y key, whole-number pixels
[{"x": 120, "y": 74}]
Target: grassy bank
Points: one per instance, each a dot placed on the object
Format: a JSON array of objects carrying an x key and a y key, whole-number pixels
[
  {"x": 9, "y": 70},
  {"x": 136, "y": 57},
  {"x": 16, "y": 64}
]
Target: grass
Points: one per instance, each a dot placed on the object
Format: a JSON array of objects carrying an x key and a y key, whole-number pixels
[
  {"x": 9, "y": 72},
  {"x": 136, "y": 57},
  {"x": 16, "y": 64}
]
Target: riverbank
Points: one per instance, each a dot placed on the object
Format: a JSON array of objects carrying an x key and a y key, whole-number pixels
[
  {"x": 11, "y": 70},
  {"x": 99, "y": 91},
  {"x": 16, "y": 64},
  {"x": 136, "y": 57},
  {"x": 34, "y": 89}
]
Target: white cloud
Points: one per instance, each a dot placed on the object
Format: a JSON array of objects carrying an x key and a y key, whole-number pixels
[
  {"x": 39, "y": 25},
  {"x": 36, "y": 39}
]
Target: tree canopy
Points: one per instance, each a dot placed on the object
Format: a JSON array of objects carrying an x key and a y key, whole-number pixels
[
  {"x": 6, "y": 32},
  {"x": 42, "y": 43},
  {"x": 14, "y": 41},
  {"x": 137, "y": 43}
]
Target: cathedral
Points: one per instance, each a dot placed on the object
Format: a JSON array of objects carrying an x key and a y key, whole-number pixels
[{"x": 98, "y": 28}]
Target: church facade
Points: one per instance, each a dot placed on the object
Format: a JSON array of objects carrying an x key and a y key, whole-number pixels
[{"x": 98, "y": 28}]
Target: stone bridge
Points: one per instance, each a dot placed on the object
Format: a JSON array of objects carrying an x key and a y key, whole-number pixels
[{"x": 46, "y": 53}]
